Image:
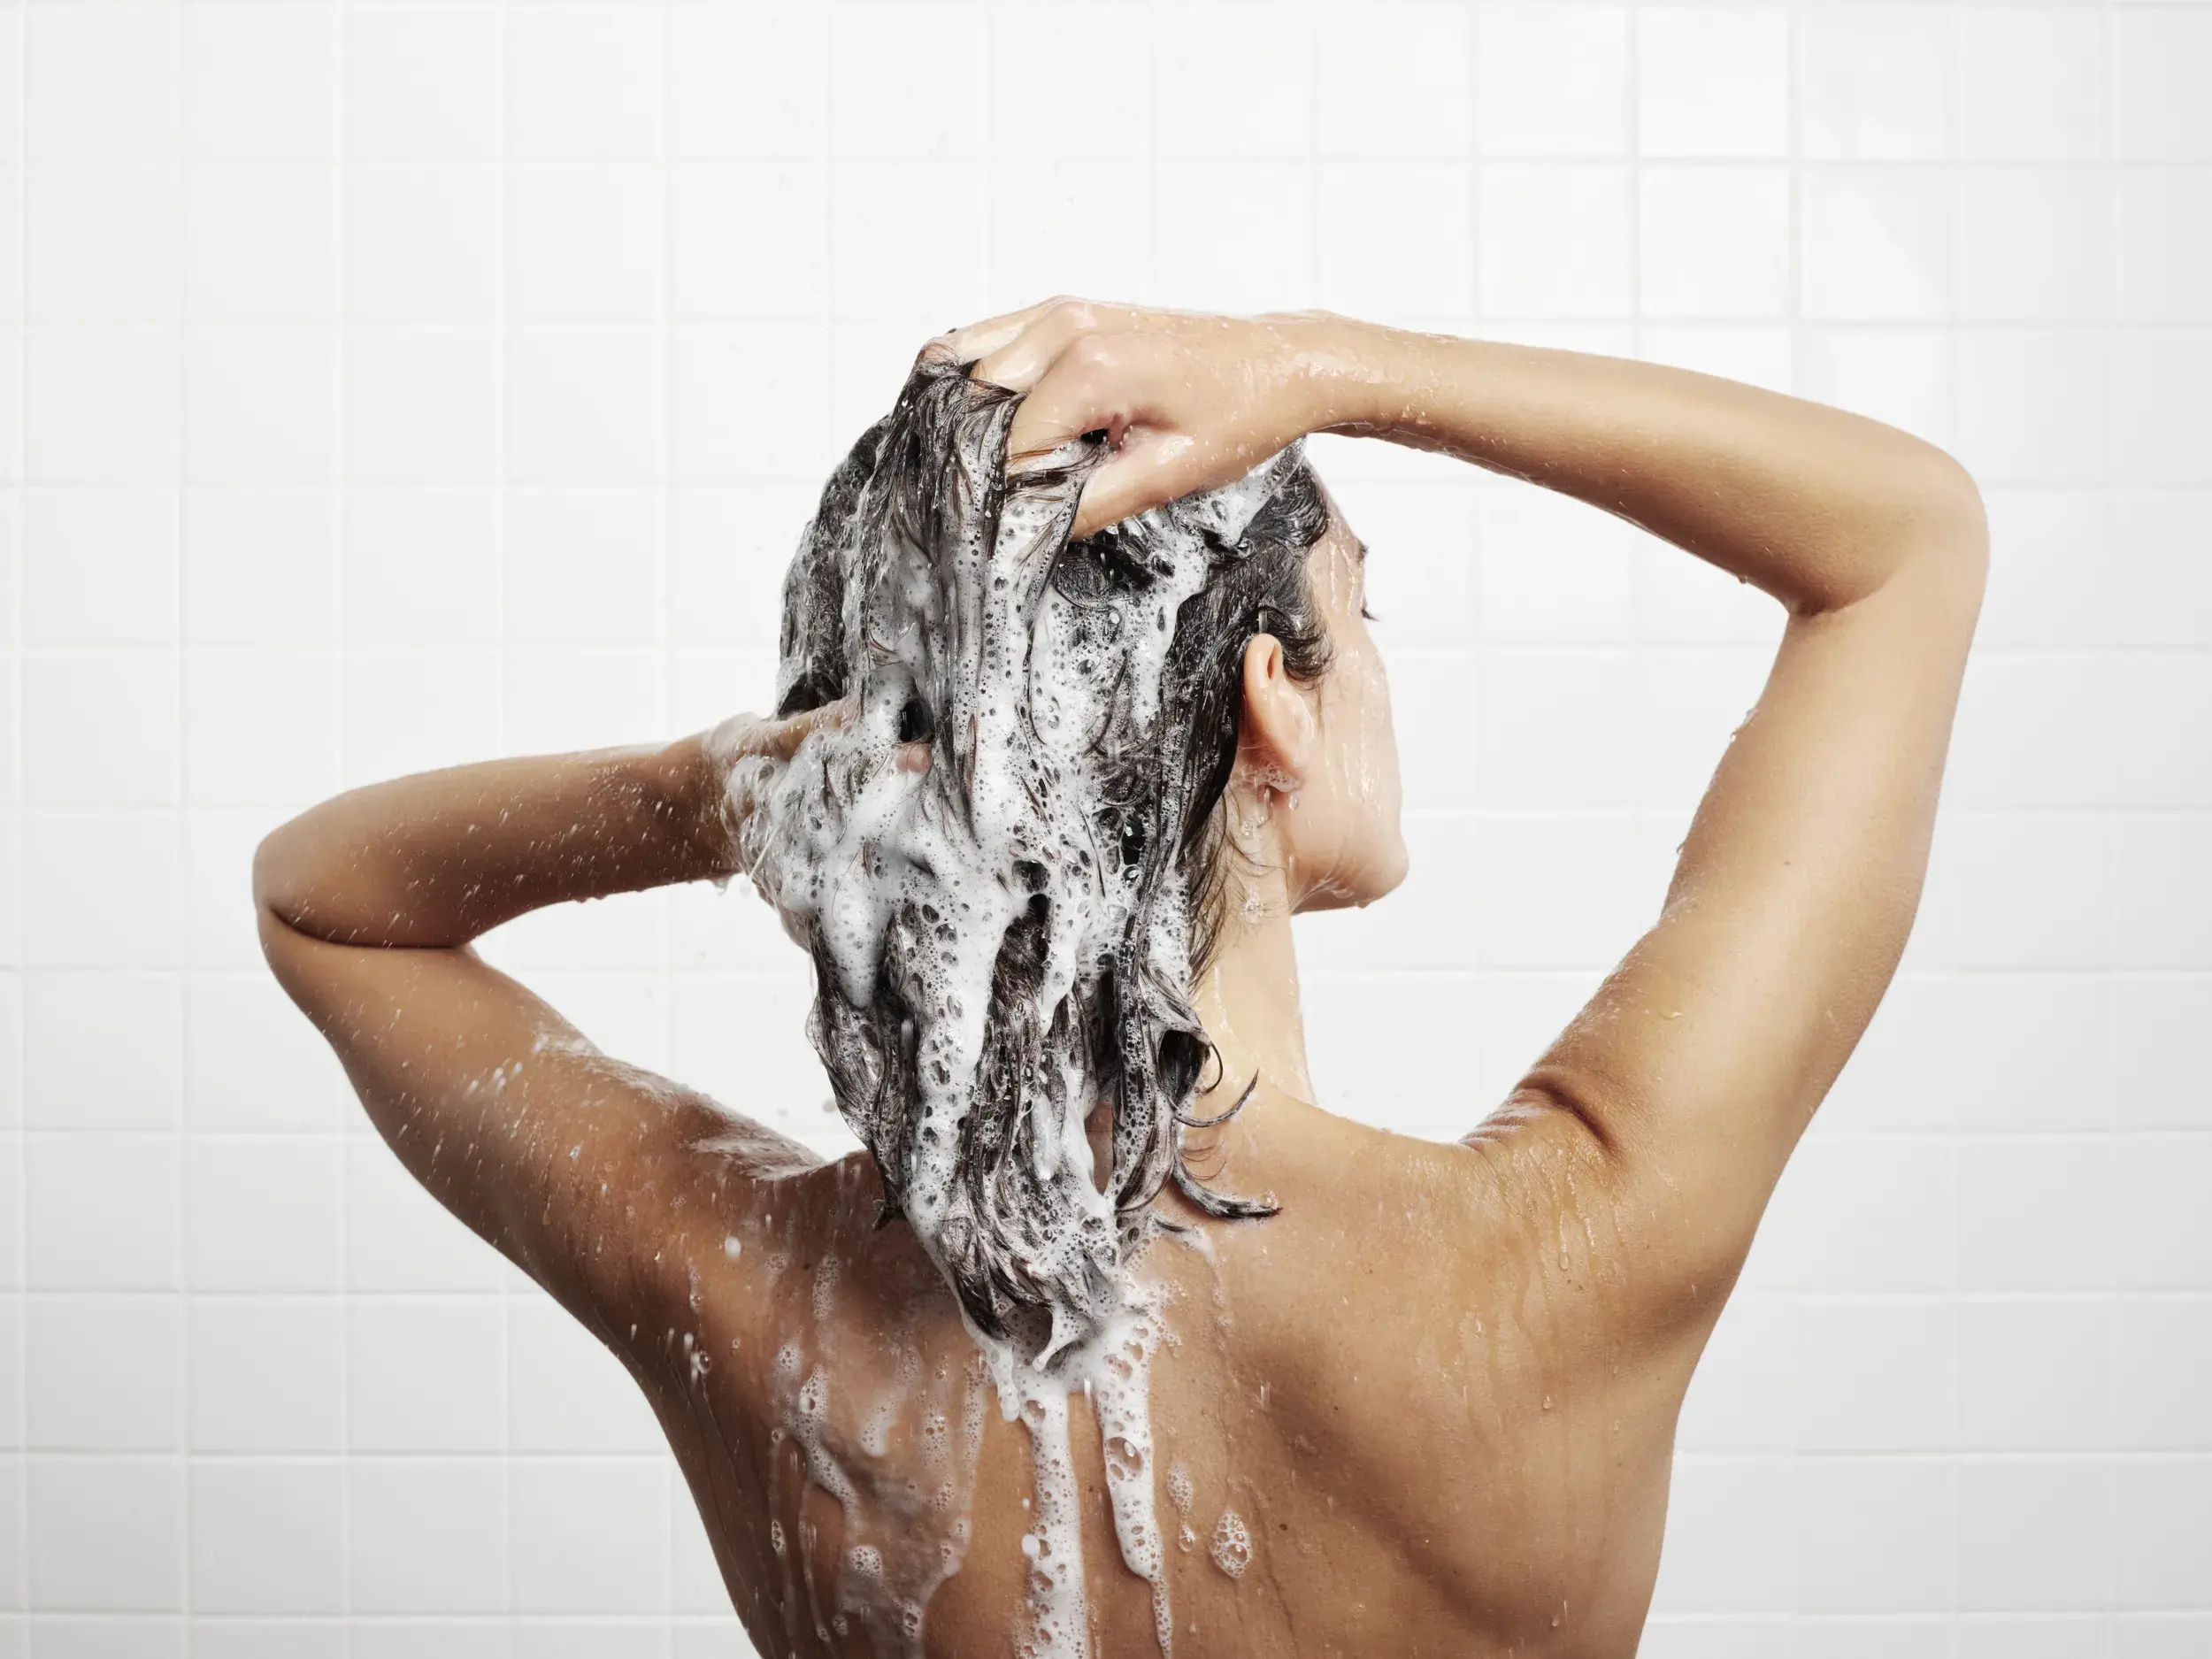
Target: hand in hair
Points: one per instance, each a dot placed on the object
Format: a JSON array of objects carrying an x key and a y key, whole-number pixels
[
  {"x": 1189, "y": 401},
  {"x": 735, "y": 787}
]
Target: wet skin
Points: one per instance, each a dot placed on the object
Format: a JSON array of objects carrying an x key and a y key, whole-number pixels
[
  {"x": 1410, "y": 1394},
  {"x": 1439, "y": 1389}
]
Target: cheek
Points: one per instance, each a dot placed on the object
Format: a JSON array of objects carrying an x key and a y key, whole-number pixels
[
  {"x": 1370, "y": 741},
  {"x": 1375, "y": 855},
  {"x": 1347, "y": 836},
  {"x": 1382, "y": 726},
  {"x": 1358, "y": 792}
]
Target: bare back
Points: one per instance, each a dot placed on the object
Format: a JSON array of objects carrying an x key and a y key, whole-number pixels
[{"x": 1377, "y": 1422}]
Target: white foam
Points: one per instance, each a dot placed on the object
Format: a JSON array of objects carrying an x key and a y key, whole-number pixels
[
  {"x": 1231, "y": 1547},
  {"x": 906, "y": 1528},
  {"x": 1114, "y": 1369},
  {"x": 869, "y": 862}
]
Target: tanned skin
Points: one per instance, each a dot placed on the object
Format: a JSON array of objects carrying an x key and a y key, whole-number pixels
[{"x": 1439, "y": 1388}]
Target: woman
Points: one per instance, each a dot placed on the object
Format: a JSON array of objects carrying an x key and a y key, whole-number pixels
[{"x": 1405, "y": 1397}]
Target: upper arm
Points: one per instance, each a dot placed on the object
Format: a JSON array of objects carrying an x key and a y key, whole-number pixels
[
  {"x": 1698, "y": 1064},
  {"x": 589, "y": 1174}
]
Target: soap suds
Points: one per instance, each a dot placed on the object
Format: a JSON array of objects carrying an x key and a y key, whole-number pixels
[
  {"x": 1232, "y": 1547},
  {"x": 893, "y": 1438},
  {"x": 991, "y": 865}
]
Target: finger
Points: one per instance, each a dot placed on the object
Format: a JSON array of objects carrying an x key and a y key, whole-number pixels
[
  {"x": 779, "y": 740},
  {"x": 1025, "y": 360},
  {"x": 745, "y": 736},
  {"x": 970, "y": 345},
  {"x": 978, "y": 340},
  {"x": 1146, "y": 472}
]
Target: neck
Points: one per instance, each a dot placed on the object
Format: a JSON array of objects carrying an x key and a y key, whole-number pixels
[{"x": 1248, "y": 999}]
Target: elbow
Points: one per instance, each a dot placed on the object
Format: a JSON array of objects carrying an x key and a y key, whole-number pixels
[
  {"x": 1962, "y": 555},
  {"x": 1968, "y": 513},
  {"x": 1926, "y": 533},
  {"x": 276, "y": 877},
  {"x": 1951, "y": 522},
  {"x": 272, "y": 925},
  {"x": 268, "y": 862},
  {"x": 1913, "y": 522}
]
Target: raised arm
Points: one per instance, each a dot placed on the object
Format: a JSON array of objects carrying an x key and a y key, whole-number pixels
[
  {"x": 1699, "y": 1060},
  {"x": 556, "y": 1153},
  {"x": 1689, "y": 1078}
]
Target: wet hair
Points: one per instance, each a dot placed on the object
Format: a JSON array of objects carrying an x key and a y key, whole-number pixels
[{"x": 1006, "y": 938}]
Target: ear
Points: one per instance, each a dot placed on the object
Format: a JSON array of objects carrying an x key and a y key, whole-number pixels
[{"x": 1275, "y": 740}]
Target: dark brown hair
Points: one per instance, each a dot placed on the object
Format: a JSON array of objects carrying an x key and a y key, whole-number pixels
[{"x": 924, "y": 574}]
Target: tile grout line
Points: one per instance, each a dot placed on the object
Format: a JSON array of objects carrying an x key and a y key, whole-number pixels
[
  {"x": 341, "y": 35},
  {"x": 2107, "y": 120},
  {"x": 21, "y": 1499},
  {"x": 1955, "y": 90},
  {"x": 500, "y": 345},
  {"x": 1152, "y": 149},
  {"x": 178, "y": 345},
  {"x": 1308, "y": 17}
]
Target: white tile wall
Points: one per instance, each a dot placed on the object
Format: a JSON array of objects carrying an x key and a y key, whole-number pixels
[{"x": 389, "y": 385}]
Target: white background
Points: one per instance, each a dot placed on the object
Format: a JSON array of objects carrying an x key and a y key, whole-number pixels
[{"x": 388, "y": 386}]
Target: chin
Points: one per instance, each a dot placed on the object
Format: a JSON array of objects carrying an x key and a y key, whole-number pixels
[
  {"x": 1377, "y": 876},
  {"x": 1390, "y": 872}
]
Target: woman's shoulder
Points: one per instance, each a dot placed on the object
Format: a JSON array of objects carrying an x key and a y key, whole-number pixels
[{"x": 1378, "y": 1235}]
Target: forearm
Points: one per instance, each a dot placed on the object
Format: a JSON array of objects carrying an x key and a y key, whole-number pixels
[
  {"x": 1815, "y": 505},
  {"x": 438, "y": 857}
]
